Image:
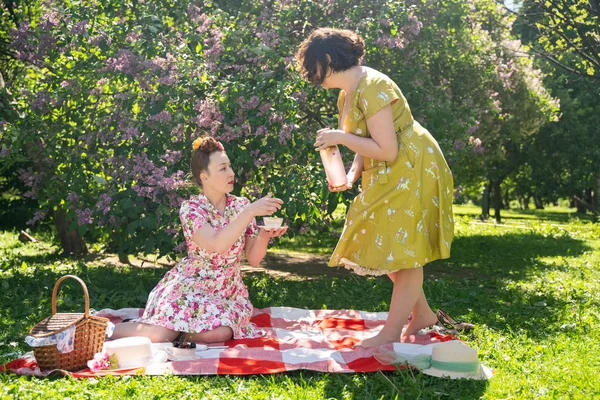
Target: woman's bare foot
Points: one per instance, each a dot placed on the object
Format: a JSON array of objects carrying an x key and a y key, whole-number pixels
[
  {"x": 419, "y": 322},
  {"x": 378, "y": 340}
]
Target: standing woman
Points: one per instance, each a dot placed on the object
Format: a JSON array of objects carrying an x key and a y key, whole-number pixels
[{"x": 402, "y": 219}]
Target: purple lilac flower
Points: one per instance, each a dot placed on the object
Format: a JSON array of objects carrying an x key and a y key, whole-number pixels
[
  {"x": 103, "y": 203},
  {"x": 72, "y": 197},
  {"x": 459, "y": 145},
  {"x": 37, "y": 216},
  {"x": 79, "y": 28},
  {"x": 415, "y": 25},
  {"x": 84, "y": 216},
  {"x": 261, "y": 130},
  {"x": 172, "y": 156},
  {"x": 163, "y": 116},
  {"x": 286, "y": 133}
]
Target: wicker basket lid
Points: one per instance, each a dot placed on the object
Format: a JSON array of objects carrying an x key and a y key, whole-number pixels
[
  {"x": 55, "y": 323},
  {"x": 58, "y": 322}
]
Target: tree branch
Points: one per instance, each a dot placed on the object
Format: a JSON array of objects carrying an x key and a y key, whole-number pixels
[{"x": 572, "y": 45}]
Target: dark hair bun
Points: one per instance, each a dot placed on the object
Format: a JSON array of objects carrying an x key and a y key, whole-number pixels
[{"x": 207, "y": 144}]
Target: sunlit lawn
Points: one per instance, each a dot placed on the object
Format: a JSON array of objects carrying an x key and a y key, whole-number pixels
[{"x": 531, "y": 285}]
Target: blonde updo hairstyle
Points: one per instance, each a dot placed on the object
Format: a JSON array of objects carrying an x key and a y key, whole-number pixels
[
  {"x": 203, "y": 148},
  {"x": 345, "y": 49}
]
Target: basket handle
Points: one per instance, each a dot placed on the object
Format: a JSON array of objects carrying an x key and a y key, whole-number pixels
[{"x": 85, "y": 292}]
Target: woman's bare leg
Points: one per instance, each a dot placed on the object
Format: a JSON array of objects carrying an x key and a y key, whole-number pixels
[
  {"x": 155, "y": 333},
  {"x": 220, "y": 334},
  {"x": 422, "y": 316},
  {"x": 408, "y": 287}
]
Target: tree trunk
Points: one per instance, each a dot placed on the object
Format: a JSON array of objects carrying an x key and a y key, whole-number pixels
[
  {"x": 539, "y": 205},
  {"x": 497, "y": 199},
  {"x": 485, "y": 202},
  {"x": 581, "y": 209},
  {"x": 71, "y": 241},
  {"x": 588, "y": 197},
  {"x": 526, "y": 202},
  {"x": 596, "y": 202}
]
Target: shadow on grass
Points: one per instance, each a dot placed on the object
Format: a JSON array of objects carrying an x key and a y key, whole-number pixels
[
  {"x": 401, "y": 384},
  {"x": 515, "y": 254},
  {"x": 473, "y": 282},
  {"x": 488, "y": 278},
  {"x": 529, "y": 215}
]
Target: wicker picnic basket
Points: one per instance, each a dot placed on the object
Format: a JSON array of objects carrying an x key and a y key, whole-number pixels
[{"x": 90, "y": 332}]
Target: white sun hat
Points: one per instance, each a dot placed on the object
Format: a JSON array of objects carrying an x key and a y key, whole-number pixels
[
  {"x": 456, "y": 360},
  {"x": 452, "y": 359}
]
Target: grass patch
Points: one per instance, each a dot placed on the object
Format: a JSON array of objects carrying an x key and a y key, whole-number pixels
[{"x": 531, "y": 285}]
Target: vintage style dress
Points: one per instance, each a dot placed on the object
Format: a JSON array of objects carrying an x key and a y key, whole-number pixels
[
  {"x": 403, "y": 216},
  {"x": 205, "y": 289}
]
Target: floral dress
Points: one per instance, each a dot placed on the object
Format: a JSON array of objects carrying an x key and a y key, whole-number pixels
[
  {"x": 205, "y": 289},
  {"x": 403, "y": 216}
]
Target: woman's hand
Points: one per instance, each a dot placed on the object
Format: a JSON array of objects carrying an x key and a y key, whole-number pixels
[
  {"x": 273, "y": 232},
  {"x": 265, "y": 206},
  {"x": 327, "y": 137}
]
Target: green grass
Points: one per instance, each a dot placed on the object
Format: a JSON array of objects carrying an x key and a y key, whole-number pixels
[{"x": 531, "y": 285}]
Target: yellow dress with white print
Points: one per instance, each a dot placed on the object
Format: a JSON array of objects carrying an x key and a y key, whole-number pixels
[{"x": 403, "y": 216}]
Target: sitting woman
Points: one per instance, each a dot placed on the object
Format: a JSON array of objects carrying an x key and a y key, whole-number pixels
[{"x": 204, "y": 296}]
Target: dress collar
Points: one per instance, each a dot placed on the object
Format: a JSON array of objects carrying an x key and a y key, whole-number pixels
[{"x": 203, "y": 199}]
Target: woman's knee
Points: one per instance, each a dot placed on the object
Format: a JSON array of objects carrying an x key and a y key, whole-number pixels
[
  {"x": 160, "y": 334},
  {"x": 223, "y": 333},
  {"x": 220, "y": 334},
  {"x": 155, "y": 333}
]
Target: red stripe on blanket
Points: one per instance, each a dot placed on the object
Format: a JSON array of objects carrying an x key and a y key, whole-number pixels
[
  {"x": 354, "y": 324},
  {"x": 262, "y": 320},
  {"x": 243, "y": 366},
  {"x": 345, "y": 343},
  {"x": 267, "y": 343},
  {"x": 369, "y": 364}
]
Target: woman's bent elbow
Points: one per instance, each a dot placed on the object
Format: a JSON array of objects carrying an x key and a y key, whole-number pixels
[
  {"x": 391, "y": 156},
  {"x": 254, "y": 263}
]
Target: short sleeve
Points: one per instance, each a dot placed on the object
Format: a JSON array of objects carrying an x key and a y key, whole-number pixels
[
  {"x": 193, "y": 217},
  {"x": 252, "y": 229},
  {"x": 378, "y": 94}
]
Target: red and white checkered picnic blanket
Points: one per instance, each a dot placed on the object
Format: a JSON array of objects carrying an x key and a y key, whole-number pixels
[{"x": 316, "y": 340}]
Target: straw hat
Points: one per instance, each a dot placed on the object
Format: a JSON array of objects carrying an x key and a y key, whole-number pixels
[{"x": 456, "y": 360}]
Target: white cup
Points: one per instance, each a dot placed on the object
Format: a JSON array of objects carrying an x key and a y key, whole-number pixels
[{"x": 272, "y": 222}]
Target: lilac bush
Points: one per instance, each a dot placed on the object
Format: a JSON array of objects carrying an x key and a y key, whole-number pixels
[{"x": 112, "y": 95}]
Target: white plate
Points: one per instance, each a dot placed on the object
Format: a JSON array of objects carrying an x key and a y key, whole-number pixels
[
  {"x": 270, "y": 229},
  {"x": 200, "y": 348}
]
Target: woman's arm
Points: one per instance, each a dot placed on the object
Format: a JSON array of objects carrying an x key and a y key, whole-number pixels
[
  {"x": 382, "y": 145},
  {"x": 256, "y": 247},
  {"x": 358, "y": 166},
  {"x": 221, "y": 241}
]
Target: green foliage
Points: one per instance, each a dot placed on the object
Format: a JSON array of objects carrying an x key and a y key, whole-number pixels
[
  {"x": 562, "y": 160},
  {"x": 111, "y": 94},
  {"x": 565, "y": 33}
]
